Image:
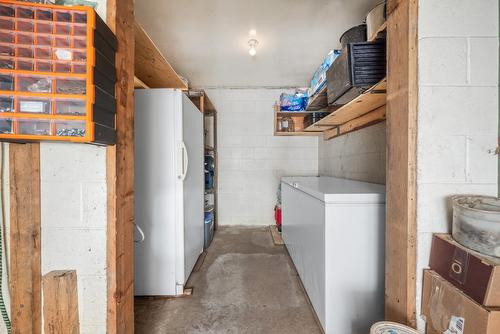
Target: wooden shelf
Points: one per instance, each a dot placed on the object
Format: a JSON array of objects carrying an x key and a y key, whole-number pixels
[
  {"x": 202, "y": 101},
  {"x": 370, "y": 100},
  {"x": 297, "y": 133},
  {"x": 295, "y": 113},
  {"x": 298, "y": 118},
  {"x": 150, "y": 66}
]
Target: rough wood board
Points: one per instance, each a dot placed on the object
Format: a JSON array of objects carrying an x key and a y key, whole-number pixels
[
  {"x": 402, "y": 95},
  {"x": 150, "y": 65},
  {"x": 120, "y": 177},
  {"x": 25, "y": 254},
  {"x": 276, "y": 235},
  {"x": 371, "y": 118},
  {"x": 60, "y": 302},
  {"x": 372, "y": 99}
]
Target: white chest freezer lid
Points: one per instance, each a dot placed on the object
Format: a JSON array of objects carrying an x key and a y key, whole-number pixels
[{"x": 337, "y": 190}]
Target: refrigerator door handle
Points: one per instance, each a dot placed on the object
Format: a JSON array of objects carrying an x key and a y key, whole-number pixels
[
  {"x": 185, "y": 162},
  {"x": 141, "y": 232}
]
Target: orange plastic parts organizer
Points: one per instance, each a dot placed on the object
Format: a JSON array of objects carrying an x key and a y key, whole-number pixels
[{"x": 47, "y": 73}]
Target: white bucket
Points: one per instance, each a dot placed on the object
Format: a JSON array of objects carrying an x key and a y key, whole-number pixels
[{"x": 387, "y": 327}]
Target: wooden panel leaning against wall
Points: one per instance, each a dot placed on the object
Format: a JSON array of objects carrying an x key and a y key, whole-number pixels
[{"x": 402, "y": 90}]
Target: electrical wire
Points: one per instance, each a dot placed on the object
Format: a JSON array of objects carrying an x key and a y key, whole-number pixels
[{"x": 3, "y": 309}]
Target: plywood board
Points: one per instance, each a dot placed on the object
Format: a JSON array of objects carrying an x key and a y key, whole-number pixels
[
  {"x": 150, "y": 65},
  {"x": 25, "y": 228}
]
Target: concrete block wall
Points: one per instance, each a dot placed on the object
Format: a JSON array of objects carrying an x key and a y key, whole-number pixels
[
  {"x": 74, "y": 204},
  {"x": 251, "y": 159},
  {"x": 458, "y": 113},
  {"x": 358, "y": 155}
]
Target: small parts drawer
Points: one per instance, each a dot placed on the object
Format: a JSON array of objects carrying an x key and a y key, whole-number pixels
[
  {"x": 42, "y": 127},
  {"x": 43, "y": 84},
  {"x": 43, "y": 105}
]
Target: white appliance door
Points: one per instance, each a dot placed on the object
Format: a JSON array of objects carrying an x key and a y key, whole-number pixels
[
  {"x": 194, "y": 184},
  {"x": 157, "y": 189}
]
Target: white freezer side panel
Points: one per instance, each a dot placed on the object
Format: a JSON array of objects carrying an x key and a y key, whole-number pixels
[
  {"x": 303, "y": 233},
  {"x": 194, "y": 185},
  {"x": 158, "y": 191},
  {"x": 338, "y": 250},
  {"x": 354, "y": 267}
]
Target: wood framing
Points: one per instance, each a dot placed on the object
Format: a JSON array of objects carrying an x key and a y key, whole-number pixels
[
  {"x": 25, "y": 249},
  {"x": 120, "y": 177},
  {"x": 60, "y": 302},
  {"x": 401, "y": 114},
  {"x": 151, "y": 67}
]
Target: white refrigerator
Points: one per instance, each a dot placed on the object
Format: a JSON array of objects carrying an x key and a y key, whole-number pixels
[{"x": 169, "y": 185}]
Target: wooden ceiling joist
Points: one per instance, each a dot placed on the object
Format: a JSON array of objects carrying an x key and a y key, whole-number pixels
[{"x": 151, "y": 67}]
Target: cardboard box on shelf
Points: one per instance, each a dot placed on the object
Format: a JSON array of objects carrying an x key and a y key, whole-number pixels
[
  {"x": 447, "y": 310},
  {"x": 475, "y": 274}
]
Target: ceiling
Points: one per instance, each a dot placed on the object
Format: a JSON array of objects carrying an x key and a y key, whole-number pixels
[{"x": 206, "y": 41}]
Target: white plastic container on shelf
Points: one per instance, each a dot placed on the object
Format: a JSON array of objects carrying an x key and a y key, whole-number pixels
[
  {"x": 476, "y": 223},
  {"x": 334, "y": 230}
]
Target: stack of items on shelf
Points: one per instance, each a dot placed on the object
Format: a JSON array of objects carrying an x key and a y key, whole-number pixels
[
  {"x": 343, "y": 77},
  {"x": 57, "y": 74},
  {"x": 361, "y": 63},
  {"x": 209, "y": 204},
  {"x": 461, "y": 291},
  {"x": 296, "y": 102},
  {"x": 318, "y": 81}
]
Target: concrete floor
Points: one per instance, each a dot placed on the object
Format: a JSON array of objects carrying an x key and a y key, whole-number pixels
[{"x": 245, "y": 285}]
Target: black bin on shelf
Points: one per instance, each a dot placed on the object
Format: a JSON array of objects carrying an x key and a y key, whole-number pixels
[{"x": 359, "y": 66}]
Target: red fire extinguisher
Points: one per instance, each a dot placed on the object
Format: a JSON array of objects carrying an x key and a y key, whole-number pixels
[{"x": 277, "y": 216}]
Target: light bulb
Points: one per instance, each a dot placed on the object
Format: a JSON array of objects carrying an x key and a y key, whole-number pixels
[{"x": 253, "y": 47}]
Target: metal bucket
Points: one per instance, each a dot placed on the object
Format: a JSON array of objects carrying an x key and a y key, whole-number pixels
[
  {"x": 387, "y": 327},
  {"x": 476, "y": 223}
]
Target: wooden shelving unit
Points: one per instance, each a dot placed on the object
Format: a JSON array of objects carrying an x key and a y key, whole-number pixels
[
  {"x": 206, "y": 107},
  {"x": 365, "y": 110},
  {"x": 298, "y": 119}
]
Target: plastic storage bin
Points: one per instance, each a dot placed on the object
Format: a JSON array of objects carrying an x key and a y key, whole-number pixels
[{"x": 57, "y": 74}]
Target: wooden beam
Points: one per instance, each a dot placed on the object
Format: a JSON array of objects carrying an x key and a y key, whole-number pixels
[
  {"x": 25, "y": 254},
  {"x": 150, "y": 65},
  {"x": 60, "y": 302},
  {"x": 402, "y": 91},
  {"x": 120, "y": 177}
]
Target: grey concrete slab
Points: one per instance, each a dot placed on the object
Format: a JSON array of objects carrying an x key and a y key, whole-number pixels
[{"x": 246, "y": 284}]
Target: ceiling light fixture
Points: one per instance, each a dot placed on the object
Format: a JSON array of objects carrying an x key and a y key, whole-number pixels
[{"x": 252, "y": 43}]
